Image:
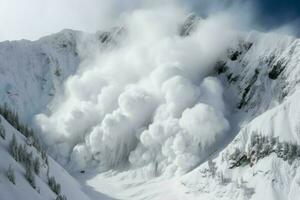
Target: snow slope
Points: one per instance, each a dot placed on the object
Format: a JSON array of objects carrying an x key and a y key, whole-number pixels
[
  {"x": 22, "y": 189},
  {"x": 265, "y": 80},
  {"x": 33, "y": 72}
]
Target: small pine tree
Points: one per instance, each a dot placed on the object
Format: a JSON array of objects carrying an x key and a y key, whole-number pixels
[
  {"x": 254, "y": 139},
  {"x": 2, "y": 132},
  {"x": 10, "y": 173},
  {"x": 22, "y": 152},
  {"x": 298, "y": 151},
  {"x": 13, "y": 141},
  {"x": 36, "y": 165},
  {"x": 13, "y": 147},
  {"x": 57, "y": 71},
  {"x": 212, "y": 167},
  {"x": 45, "y": 157},
  {"x": 273, "y": 142},
  {"x": 292, "y": 151},
  {"x": 29, "y": 160},
  {"x": 47, "y": 161},
  {"x": 259, "y": 146},
  {"x": 55, "y": 187},
  {"x": 29, "y": 175},
  {"x": 37, "y": 144},
  {"x": 43, "y": 152},
  {"x": 285, "y": 150},
  {"x": 61, "y": 197},
  {"x": 278, "y": 148}
]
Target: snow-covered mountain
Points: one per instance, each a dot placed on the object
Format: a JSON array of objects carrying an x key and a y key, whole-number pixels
[
  {"x": 32, "y": 72},
  {"x": 19, "y": 187},
  {"x": 174, "y": 120}
]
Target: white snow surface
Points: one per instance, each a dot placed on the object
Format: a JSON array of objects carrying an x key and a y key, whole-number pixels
[
  {"x": 22, "y": 189},
  {"x": 27, "y": 70}
]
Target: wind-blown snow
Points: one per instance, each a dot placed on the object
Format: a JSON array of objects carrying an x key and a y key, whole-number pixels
[{"x": 147, "y": 99}]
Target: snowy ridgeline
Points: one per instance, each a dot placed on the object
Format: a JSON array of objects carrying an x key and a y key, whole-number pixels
[
  {"x": 26, "y": 172},
  {"x": 32, "y": 72}
]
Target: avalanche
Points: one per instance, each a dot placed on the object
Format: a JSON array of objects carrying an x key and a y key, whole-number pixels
[{"x": 145, "y": 102}]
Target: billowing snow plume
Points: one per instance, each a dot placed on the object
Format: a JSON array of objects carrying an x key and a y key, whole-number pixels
[{"x": 149, "y": 100}]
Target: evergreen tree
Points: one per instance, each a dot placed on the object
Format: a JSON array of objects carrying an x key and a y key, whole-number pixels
[
  {"x": 10, "y": 173},
  {"x": 45, "y": 157},
  {"x": 29, "y": 175},
  {"x": 292, "y": 151},
  {"x": 268, "y": 148},
  {"x": 61, "y": 197},
  {"x": 298, "y": 151},
  {"x": 2, "y": 131},
  {"x": 47, "y": 161},
  {"x": 22, "y": 151},
  {"x": 285, "y": 150},
  {"x": 36, "y": 166},
  {"x": 37, "y": 144},
  {"x": 279, "y": 147},
  {"x": 259, "y": 146},
  {"x": 212, "y": 167},
  {"x": 273, "y": 141},
  {"x": 13, "y": 147},
  {"x": 29, "y": 160},
  {"x": 55, "y": 187},
  {"x": 13, "y": 119}
]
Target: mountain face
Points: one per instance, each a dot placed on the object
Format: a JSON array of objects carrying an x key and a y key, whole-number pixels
[
  {"x": 232, "y": 134},
  {"x": 262, "y": 159},
  {"x": 32, "y": 72},
  {"x": 17, "y": 184}
]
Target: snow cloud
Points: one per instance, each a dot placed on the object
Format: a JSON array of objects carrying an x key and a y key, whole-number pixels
[
  {"x": 32, "y": 19},
  {"x": 151, "y": 99}
]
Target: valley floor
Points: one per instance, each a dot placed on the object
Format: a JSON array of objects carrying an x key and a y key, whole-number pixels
[{"x": 124, "y": 186}]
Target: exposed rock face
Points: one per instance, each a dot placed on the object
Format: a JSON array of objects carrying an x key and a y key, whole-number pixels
[{"x": 189, "y": 25}]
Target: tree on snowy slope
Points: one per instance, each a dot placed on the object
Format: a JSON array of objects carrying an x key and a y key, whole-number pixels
[
  {"x": 29, "y": 175},
  {"x": 61, "y": 197},
  {"x": 2, "y": 131},
  {"x": 13, "y": 148},
  {"x": 13, "y": 119},
  {"x": 261, "y": 146},
  {"x": 11, "y": 175},
  {"x": 36, "y": 165},
  {"x": 55, "y": 187}
]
